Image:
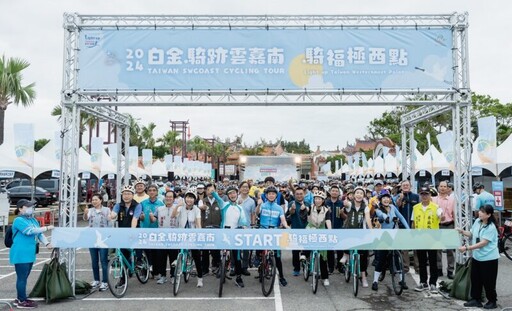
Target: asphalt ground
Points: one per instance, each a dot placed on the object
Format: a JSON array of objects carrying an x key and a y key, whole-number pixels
[{"x": 297, "y": 295}]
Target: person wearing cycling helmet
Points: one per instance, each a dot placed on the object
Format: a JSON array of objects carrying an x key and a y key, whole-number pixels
[
  {"x": 272, "y": 216},
  {"x": 232, "y": 217},
  {"x": 319, "y": 217},
  {"x": 353, "y": 213},
  {"x": 189, "y": 216},
  {"x": 127, "y": 213},
  {"x": 270, "y": 182},
  {"x": 386, "y": 213},
  {"x": 140, "y": 191}
]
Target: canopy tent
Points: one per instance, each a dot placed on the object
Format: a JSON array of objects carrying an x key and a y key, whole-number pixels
[{"x": 158, "y": 169}]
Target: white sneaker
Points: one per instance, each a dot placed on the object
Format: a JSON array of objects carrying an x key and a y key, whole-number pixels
[
  {"x": 95, "y": 284},
  {"x": 161, "y": 280},
  {"x": 173, "y": 263},
  {"x": 103, "y": 287},
  {"x": 302, "y": 258},
  {"x": 326, "y": 282},
  {"x": 344, "y": 259},
  {"x": 200, "y": 282},
  {"x": 365, "y": 283}
]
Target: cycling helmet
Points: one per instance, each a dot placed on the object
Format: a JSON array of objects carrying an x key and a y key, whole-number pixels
[
  {"x": 128, "y": 188},
  {"x": 359, "y": 188},
  {"x": 477, "y": 186},
  {"x": 139, "y": 181},
  {"x": 271, "y": 189},
  {"x": 384, "y": 193},
  {"x": 319, "y": 194},
  {"x": 231, "y": 188},
  {"x": 271, "y": 179},
  {"x": 191, "y": 192}
]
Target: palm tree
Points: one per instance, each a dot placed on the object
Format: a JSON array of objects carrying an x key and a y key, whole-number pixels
[
  {"x": 170, "y": 141},
  {"x": 11, "y": 88},
  {"x": 220, "y": 151},
  {"x": 197, "y": 145},
  {"x": 135, "y": 137},
  {"x": 147, "y": 136}
]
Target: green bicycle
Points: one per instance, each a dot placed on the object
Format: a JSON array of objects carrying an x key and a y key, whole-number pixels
[
  {"x": 184, "y": 265},
  {"x": 312, "y": 267},
  {"x": 119, "y": 268},
  {"x": 353, "y": 270}
]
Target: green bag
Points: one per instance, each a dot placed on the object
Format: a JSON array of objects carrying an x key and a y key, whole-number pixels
[
  {"x": 58, "y": 285},
  {"x": 82, "y": 287},
  {"x": 39, "y": 289},
  {"x": 461, "y": 288}
]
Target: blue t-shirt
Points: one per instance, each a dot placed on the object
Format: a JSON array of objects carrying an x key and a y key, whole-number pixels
[
  {"x": 147, "y": 207},
  {"x": 484, "y": 198},
  {"x": 489, "y": 233},
  {"x": 270, "y": 215},
  {"x": 25, "y": 231}
]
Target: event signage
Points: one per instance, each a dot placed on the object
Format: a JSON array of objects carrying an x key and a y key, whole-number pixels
[
  {"x": 476, "y": 171},
  {"x": 322, "y": 239},
  {"x": 86, "y": 175},
  {"x": 6, "y": 174},
  {"x": 497, "y": 191},
  {"x": 261, "y": 59}
]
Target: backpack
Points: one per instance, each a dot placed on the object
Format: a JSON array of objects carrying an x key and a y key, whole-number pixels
[{"x": 9, "y": 237}]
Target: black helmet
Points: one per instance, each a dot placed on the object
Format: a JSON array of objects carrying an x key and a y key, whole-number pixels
[
  {"x": 231, "y": 188},
  {"x": 477, "y": 186},
  {"x": 271, "y": 189}
]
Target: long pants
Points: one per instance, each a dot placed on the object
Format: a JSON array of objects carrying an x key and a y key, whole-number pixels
[
  {"x": 332, "y": 261},
  {"x": 205, "y": 259},
  {"x": 407, "y": 261},
  {"x": 324, "y": 274},
  {"x": 484, "y": 273},
  {"x": 101, "y": 255},
  {"x": 22, "y": 273},
  {"x": 363, "y": 260},
  {"x": 161, "y": 264},
  {"x": 236, "y": 261},
  {"x": 450, "y": 254},
  {"x": 196, "y": 255},
  {"x": 151, "y": 254},
  {"x": 244, "y": 257},
  {"x": 431, "y": 256},
  {"x": 296, "y": 260}
]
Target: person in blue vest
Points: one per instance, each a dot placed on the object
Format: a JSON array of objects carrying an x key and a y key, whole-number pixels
[
  {"x": 334, "y": 203},
  {"x": 26, "y": 234},
  {"x": 148, "y": 220},
  {"x": 270, "y": 182}
]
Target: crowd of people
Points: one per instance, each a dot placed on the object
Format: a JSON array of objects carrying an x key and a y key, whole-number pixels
[{"x": 291, "y": 204}]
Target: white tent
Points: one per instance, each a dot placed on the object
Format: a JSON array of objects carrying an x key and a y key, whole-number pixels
[
  {"x": 158, "y": 169},
  {"x": 503, "y": 154}
]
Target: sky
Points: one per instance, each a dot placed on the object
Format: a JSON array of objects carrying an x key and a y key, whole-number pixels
[{"x": 32, "y": 30}]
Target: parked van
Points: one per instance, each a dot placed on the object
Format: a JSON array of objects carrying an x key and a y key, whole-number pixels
[{"x": 51, "y": 185}]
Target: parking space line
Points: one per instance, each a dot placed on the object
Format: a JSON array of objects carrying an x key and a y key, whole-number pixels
[
  {"x": 175, "y": 298},
  {"x": 13, "y": 273},
  {"x": 277, "y": 295}
]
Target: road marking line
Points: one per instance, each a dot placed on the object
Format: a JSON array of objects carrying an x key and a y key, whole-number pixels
[
  {"x": 176, "y": 298},
  {"x": 277, "y": 295},
  {"x": 13, "y": 273}
]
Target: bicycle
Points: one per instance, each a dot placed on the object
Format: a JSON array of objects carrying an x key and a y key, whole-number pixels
[
  {"x": 224, "y": 267},
  {"x": 505, "y": 238},
  {"x": 184, "y": 265},
  {"x": 354, "y": 270},
  {"x": 119, "y": 268},
  {"x": 267, "y": 272},
  {"x": 396, "y": 268},
  {"x": 311, "y": 267}
]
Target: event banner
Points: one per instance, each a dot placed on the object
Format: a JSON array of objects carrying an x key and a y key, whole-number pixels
[
  {"x": 161, "y": 238},
  {"x": 96, "y": 154},
  {"x": 261, "y": 59},
  {"x": 24, "y": 143}
]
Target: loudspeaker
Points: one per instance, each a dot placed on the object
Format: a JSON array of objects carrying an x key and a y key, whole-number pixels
[{"x": 170, "y": 176}]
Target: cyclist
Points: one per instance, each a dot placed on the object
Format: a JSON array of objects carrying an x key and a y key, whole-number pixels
[
  {"x": 189, "y": 216},
  {"x": 233, "y": 217},
  {"x": 127, "y": 213},
  {"x": 148, "y": 220},
  {"x": 140, "y": 191},
  {"x": 320, "y": 218},
  {"x": 335, "y": 204},
  {"x": 298, "y": 211},
  {"x": 272, "y": 216},
  {"x": 211, "y": 218},
  {"x": 353, "y": 213},
  {"x": 248, "y": 205},
  {"x": 386, "y": 213},
  {"x": 165, "y": 220}
]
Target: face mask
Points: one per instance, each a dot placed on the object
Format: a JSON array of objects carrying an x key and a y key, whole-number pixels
[{"x": 29, "y": 211}]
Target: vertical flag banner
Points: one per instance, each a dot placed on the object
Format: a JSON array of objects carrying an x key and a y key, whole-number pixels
[
  {"x": 133, "y": 155},
  {"x": 147, "y": 160},
  {"x": 486, "y": 148},
  {"x": 24, "y": 143},
  {"x": 96, "y": 153},
  {"x": 350, "y": 164},
  {"x": 431, "y": 159},
  {"x": 168, "y": 162},
  {"x": 336, "y": 166},
  {"x": 57, "y": 145},
  {"x": 446, "y": 144},
  {"x": 112, "y": 152}
]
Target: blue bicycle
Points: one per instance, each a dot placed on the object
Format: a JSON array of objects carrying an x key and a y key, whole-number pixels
[
  {"x": 312, "y": 267},
  {"x": 184, "y": 265},
  {"x": 119, "y": 268},
  {"x": 353, "y": 270}
]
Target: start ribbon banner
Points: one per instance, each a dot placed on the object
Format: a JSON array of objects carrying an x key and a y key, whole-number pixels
[
  {"x": 255, "y": 239},
  {"x": 261, "y": 59}
]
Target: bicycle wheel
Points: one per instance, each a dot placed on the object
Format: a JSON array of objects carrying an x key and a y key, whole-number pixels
[
  {"x": 222, "y": 274},
  {"x": 142, "y": 269},
  {"x": 348, "y": 268},
  {"x": 397, "y": 272},
  {"x": 187, "y": 267},
  {"x": 316, "y": 272},
  {"x": 268, "y": 274},
  {"x": 117, "y": 277},
  {"x": 355, "y": 274},
  {"x": 177, "y": 274},
  {"x": 305, "y": 269},
  {"x": 507, "y": 246}
]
